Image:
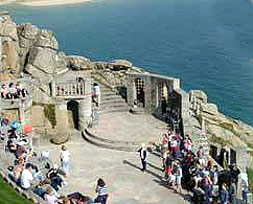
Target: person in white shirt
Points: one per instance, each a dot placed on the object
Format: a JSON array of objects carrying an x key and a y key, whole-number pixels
[
  {"x": 26, "y": 177},
  {"x": 65, "y": 159}
]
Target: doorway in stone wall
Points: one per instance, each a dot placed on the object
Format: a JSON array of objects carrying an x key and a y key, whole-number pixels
[
  {"x": 232, "y": 156},
  {"x": 72, "y": 106},
  {"x": 140, "y": 94}
]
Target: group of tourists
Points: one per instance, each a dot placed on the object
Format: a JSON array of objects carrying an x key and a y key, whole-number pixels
[
  {"x": 195, "y": 172},
  {"x": 13, "y": 91},
  {"x": 36, "y": 172}
]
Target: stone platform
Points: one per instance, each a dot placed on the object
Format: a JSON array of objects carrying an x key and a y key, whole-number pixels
[
  {"x": 121, "y": 170},
  {"x": 128, "y": 127}
]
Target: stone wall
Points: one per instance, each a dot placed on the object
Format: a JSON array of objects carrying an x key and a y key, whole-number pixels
[{"x": 152, "y": 89}]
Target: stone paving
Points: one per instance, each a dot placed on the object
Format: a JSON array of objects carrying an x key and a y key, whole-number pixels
[
  {"x": 121, "y": 170},
  {"x": 124, "y": 126}
]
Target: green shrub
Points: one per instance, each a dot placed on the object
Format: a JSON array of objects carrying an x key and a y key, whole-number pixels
[
  {"x": 250, "y": 176},
  {"x": 49, "y": 112}
]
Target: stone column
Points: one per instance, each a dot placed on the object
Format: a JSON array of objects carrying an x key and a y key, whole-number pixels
[
  {"x": 84, "y": 112},
  {"x": 62, "y": 126},
  {"x": 53, "y": 88}
]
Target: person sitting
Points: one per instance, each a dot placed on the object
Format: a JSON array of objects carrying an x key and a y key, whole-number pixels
[
  {"x": 21, "y": 92},
  {"x": 26, "y": 177},
  {"x": 12, "y": 91},
  {"x": 17, "y": 170},
  {"x": 79, "y": 198},
  {"x": 3, "y": 91},
  {"x": 101, "y": 189},
  {"x": 56, "y": 181},
  {"x": 50, "y": 196}
]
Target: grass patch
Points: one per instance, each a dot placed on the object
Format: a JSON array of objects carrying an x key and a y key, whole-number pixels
[
  {"x": 9, "y": 196},
  {"x": 49, "y": 112},
  {"x": 250, "y": 176}
]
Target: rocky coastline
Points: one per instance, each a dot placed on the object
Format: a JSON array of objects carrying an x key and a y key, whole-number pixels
[{"x": 33, "y": 54}]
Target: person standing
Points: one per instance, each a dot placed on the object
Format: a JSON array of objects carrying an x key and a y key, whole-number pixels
[
  {"x": 178, "y": 174},
  {"x": 65, "y": 159},
  {"x": 143, "y": 156},
  {"x": 224, "y": 196},
  {"x": 232, "y": 191}
]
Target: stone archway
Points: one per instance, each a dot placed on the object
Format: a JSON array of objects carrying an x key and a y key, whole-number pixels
[{"x": 73, "y": 106}]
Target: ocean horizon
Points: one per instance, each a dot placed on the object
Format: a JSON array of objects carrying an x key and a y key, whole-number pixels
[{"x": 207, "y": 44}]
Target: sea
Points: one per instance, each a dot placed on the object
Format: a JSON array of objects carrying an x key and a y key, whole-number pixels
[{"x": 208, "y": 44}]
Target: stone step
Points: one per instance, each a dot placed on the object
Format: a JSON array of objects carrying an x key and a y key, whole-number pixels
[
  {"x": 108, "y": 144},
  {"x": 113, "y": 102},
  {"x": 110, "y": 97},
  {"x": 113, "y": 110},
  {"x": 113, "y": 106},
  {"x": 109, "y": 93}
]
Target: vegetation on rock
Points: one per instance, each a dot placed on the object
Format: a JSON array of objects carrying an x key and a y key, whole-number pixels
[
  {"x": 250, "y": 175},
  {"x": 49, "y": 112}
]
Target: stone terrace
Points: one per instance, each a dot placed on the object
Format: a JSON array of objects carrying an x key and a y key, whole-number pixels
[{"x": 121, "y": 170}]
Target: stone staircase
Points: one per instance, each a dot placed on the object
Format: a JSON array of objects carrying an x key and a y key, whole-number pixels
[
  {"x": 110, "y": 144},
  {"x": 111, "y": 102}
]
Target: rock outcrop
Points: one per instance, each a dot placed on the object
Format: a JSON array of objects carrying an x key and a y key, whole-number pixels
[
  {"x": 79, "y": 63},
  {"x": 9, "y": 48}
]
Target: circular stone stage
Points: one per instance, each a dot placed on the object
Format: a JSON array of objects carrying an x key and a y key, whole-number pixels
[{"x": 125, "y": 131}]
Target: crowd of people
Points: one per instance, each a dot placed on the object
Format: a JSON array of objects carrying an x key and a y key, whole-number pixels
[
  {"x": 13, "y": 91},
  {"x": 195, "y": 172},
  {"x": 36, "y": 172}
]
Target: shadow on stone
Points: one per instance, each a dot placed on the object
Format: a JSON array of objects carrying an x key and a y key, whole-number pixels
[{"x": 153, "y": 166}]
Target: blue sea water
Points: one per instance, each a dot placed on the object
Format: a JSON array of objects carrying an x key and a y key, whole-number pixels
[{"x": 208, "y": 44}]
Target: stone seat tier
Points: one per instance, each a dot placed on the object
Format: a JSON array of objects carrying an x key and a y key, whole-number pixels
[{"x": 110, "y": 144}]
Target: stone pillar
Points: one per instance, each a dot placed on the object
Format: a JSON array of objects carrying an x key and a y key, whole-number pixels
[
  {"x": 157, "y": 95},
  {"x": 147, "y": 92},
  {"x": 131, "y": 92},
  {"x": 62, "y": 126},
  {"x": 53, "y": 88},
  {"x": 185, "y": 105},
  {"x": 84, "y": 112}
]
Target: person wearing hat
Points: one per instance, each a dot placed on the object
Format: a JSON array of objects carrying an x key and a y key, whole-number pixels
[{"x": 143, "y": 156}]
